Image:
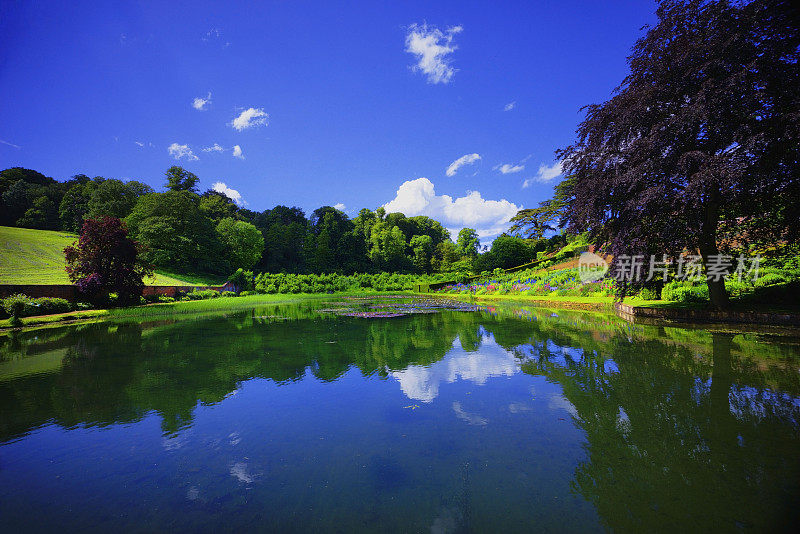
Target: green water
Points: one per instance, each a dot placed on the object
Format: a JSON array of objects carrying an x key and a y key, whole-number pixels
[{"x": 499, "y": 420}]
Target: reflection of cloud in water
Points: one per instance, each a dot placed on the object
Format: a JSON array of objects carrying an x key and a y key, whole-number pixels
[
  {"x": 519, "y": 407},
  {"x": 422, "y": 383},
  {"x": 471, "y": 418},
  {"x": 559, "y": 402},
  {"x": 240, "y": 472}
]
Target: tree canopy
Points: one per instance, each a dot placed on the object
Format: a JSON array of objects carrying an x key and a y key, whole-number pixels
[{"x": 704, "y": 129}]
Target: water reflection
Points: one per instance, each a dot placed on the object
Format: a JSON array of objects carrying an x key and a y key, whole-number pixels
[{"x": 657, "y": 428}]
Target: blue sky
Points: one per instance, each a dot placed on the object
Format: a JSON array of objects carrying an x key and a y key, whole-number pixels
[{"x": 361, "y": 104}]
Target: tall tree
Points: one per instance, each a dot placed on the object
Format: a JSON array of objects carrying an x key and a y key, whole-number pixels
[
  {"x": 705, "y": 128},
  {"x": 242, "y": 241},
  {"x": 468, "y": 242},
  {"x": 179, "y": 179},
  {"x": 176, "y": 233},
  {"x": 532, "y": 223}
]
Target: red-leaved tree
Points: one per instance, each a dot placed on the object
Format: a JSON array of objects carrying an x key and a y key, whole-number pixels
[{"x": 105, "y": 260}]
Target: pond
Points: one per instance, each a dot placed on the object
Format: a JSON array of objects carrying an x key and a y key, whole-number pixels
[{"x": 311, "y": 416}]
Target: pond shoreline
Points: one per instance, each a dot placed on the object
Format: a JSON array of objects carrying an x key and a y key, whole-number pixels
[{"x": 648, "y": 311}]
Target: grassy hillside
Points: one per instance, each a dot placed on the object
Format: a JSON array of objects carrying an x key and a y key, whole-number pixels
[{"x": 37, "y": 257}]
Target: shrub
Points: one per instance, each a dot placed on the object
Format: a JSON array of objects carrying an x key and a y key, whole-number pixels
[
  {"x": 247, "y": 293},
  {"x": 15, "y": 304},
  {"x": 648, "y": 294},
  {"x": 50, "y": 305},
  {"x": 227, "y": 294},
  {"x": 201, "y": 294}
]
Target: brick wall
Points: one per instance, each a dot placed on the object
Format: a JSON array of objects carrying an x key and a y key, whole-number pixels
[{"x": 70, "y": 292}]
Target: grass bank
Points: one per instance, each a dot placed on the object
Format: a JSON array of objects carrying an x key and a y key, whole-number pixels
[{"x": 30, "y": 256}]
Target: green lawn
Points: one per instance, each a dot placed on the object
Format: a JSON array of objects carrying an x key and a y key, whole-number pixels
[{"x": 37, "y": 257}]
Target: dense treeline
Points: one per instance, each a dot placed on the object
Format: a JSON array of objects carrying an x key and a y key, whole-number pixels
[{"x": 185, "y": 231}]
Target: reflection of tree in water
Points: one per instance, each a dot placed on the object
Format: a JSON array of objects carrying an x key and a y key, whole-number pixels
[
  {"x": 118, "y": 373},
  {"x": 676, "y": 437},
  {"x": 682, "y": 427}
]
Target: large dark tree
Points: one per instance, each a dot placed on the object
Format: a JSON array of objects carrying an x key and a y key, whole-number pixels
[
  {"x": 703, "y": 130},
  {"x": 106, "y": 260}
]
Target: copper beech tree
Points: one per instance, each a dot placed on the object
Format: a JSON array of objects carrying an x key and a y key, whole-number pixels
[
  {"x": 702, "y": 131},
  {"x": 105, "y": 260}
]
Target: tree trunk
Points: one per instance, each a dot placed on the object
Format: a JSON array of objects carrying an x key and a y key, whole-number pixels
[{"x": 708, "y": 247}]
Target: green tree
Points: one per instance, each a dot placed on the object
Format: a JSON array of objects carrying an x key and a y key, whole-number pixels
[
  {"x": 551, "y": 214},
  {"x": 285, "y": 232},
  {"x": 74, "y": 204},
  {"x": 468, "y": 242},
  {"x": 176, "y": 234},
  {"x": 112, "y": 198},
  {"x": 242, "y": 242},
  {"x": 179, "y": 179},
  {"x": 41, "y": 215},
  {"x": 422, "y": 247},
  {"x": 217, "y": 206}
]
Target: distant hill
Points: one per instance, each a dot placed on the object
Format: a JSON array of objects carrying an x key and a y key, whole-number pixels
[{"x": 37, "y": 257}]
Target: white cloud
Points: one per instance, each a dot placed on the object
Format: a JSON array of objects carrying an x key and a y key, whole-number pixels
[
  {"x": 510, "y": 106},
  {"x": 237, "y": 152},
  {"x": 233, "y": 194},
  {"x": 139, "y": 143},
  {"x": 201, "y": 103},
  {"x": 340, "y": 206},
  {"x": 508, "y": 168},
  {"x": 432, "y": 48},
  {"x": 250, "y": 118},
  {"x": 545, "y": 174},
  {"x": 460, "y": 162},
  {"x": 181, "y": 151},
  {"x": 214, "y": 148},
  {"x": 418, "y": 197}
]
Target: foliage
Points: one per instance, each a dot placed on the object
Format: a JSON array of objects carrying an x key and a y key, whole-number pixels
[
  {"x": 242, "y": 242},
  {"x": 506, "y": 252},
  {"x": 467, "y": 242},
  {"x": 202, "y": 294},
  {"x": 243, "y": 280},
  {"x": 176, "y": 234},
  {"x": 106, "y": 260},
  {"x": 179, "y": 179},
  {"x": 703, "y": 129}
]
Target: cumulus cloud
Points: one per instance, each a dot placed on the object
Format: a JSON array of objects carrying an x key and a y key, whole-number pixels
[
  {"x": 233, "y": 194},
  {"x": 250, "y": 118},
  {"x": 201, "y": 103},
  {"x": 510, "y": 106},
  {"x": 214, "y": 148},
  {"x": 546, "y": 173},
  {"x": 432, "y": 48},
  {"x": 418, "y": 197},
  {"x": 181, "y": 151},
  {"x": 340, "y": 206},
  {"x": 237, "y": 152},
  {"x": 466, "y": 159}
]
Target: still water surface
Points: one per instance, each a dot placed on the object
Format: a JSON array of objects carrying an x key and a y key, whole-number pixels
[{"x": 500, "y": 420}]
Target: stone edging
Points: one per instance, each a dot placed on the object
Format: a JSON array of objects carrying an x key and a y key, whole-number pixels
[{"x": 629, "y": 312}]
